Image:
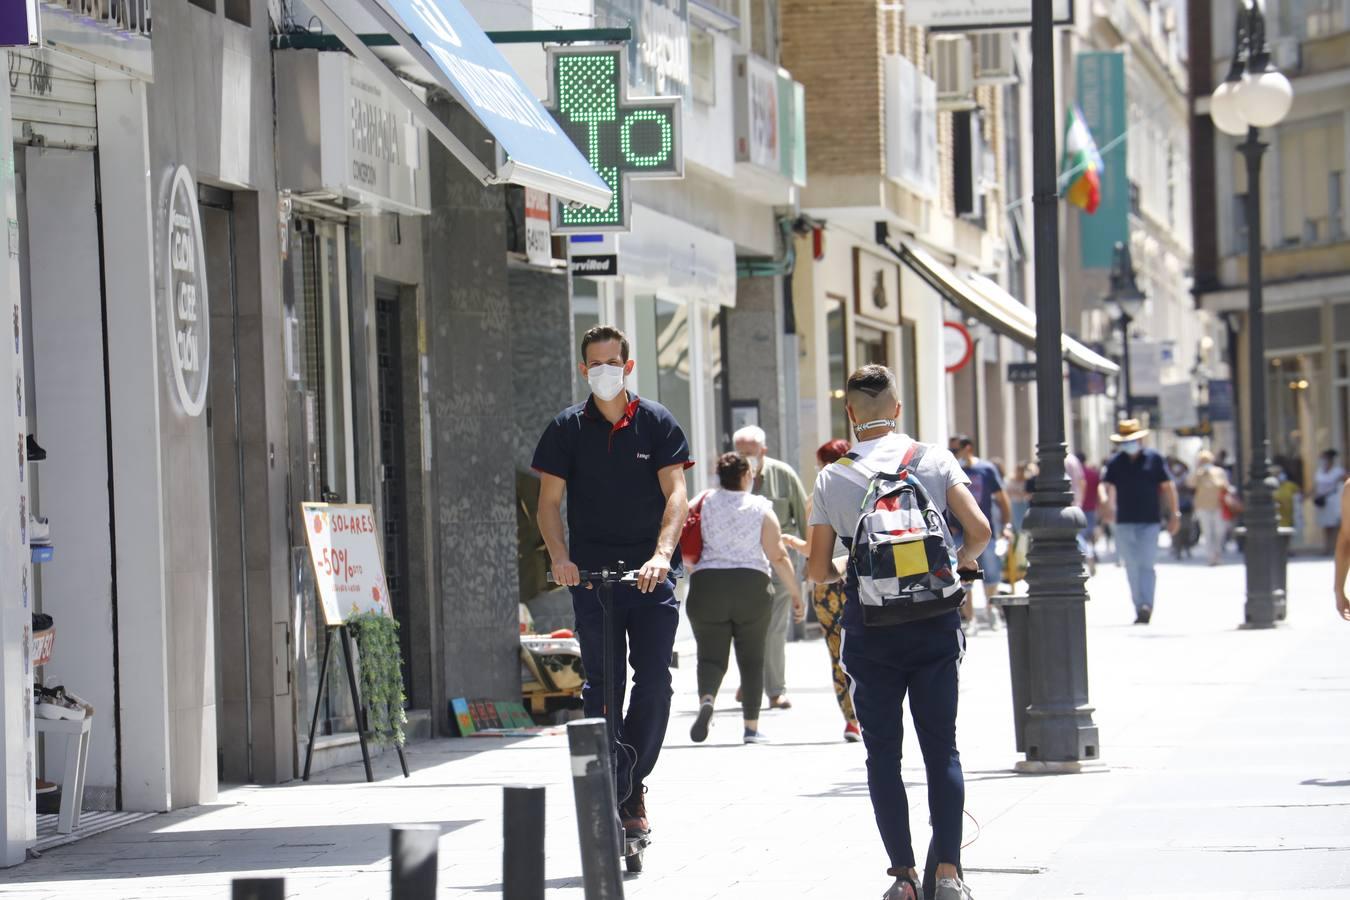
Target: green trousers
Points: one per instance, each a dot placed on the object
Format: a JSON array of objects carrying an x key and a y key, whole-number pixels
[{"x": 729, "y": 606}]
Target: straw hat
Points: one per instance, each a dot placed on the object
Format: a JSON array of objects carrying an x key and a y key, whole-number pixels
[{"x": 1129, "y": 430}]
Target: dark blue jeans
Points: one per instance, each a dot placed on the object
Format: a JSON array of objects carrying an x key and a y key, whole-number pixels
[
  {"x": 921, "y": 659},
  {"x": 643, "y": 629}
]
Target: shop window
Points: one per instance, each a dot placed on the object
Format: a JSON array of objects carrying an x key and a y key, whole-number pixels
[
  {"x": 837, "y": 347},
  {"x": 673, "y": 362},
  {"x": 907, "y": 369},
  {"x": 1296, "y": 383},
  {"x": 871, "y": 346}
]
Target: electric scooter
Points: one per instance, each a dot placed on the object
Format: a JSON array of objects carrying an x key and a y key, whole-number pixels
[{"x": 634, "y": 843}]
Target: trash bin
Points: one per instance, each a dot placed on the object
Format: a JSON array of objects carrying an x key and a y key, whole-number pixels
[{"x": 1017, "y": 616}]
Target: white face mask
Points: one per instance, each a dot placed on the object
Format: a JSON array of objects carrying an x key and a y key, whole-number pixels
[
  {"x": 1130, "y": 448},
  {"x": 606, "y": 381}
]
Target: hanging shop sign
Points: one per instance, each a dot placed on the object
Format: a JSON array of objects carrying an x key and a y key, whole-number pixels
[
  {"x": 621, "y": 138},
  {"x": 20, "y": 23},
  {"x": 975, "y": 15},
  {"x": 538, "y": 233},
  {"x": 1176, "y": 403},
  {"x": 957, "y": 346},
  {"x": 757, "y": 131},
  {"x": 1021, "y": 372},
  {"x": 343, "y": 133},
  {"x": 594, "y": 255},
  {"x": 1220, "y": 400},
  {"x": 348, "y": 558},
  {"x": 188, "y": 315}
]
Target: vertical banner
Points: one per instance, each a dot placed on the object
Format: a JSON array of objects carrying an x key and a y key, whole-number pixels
[{"x": 1101, "y": 96}]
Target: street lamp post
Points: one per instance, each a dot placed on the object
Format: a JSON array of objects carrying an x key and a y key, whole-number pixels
[
  {"x": 1060, "y": 733},
  {"x": 1256, "y": 95},
  {"x": 1123, "y": 303}
]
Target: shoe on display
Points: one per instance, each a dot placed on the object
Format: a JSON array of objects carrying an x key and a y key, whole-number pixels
[
  {"x": 952, "y": 889},
  {"x": 39, "y": 532},
  {"x": 753, "y": 736},
  {"x": 699, "y": 732},
  {"x": 852, "y": 733},
  {"x": 34, "y": 452},
  {"x": 47, "y": 787},
  {"x": 57, "y": 703}
]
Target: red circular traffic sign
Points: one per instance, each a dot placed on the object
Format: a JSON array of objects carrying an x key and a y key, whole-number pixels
[{"x": 957, "y": 344}]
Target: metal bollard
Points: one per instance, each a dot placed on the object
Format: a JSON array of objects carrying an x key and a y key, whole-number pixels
[
  {"x": 258, "y": 889},
  {"x": 597, "y": 808},
  {"x": 413, "y": 851},
  {"x": 523, "y": 844}
]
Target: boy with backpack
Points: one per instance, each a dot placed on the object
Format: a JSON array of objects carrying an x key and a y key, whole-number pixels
[{"x": 885, "y": 502}]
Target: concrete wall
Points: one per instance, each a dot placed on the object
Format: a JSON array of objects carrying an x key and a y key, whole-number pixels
[
  {"x": 210, "y": 109},
  {"x": 755, "y": 330},
  {"x": 470, "y": 348}
]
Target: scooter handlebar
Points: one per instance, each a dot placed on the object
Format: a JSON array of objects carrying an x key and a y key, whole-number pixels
[{"x": 614, "y": 576}]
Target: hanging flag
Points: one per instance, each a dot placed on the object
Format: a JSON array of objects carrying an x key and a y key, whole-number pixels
[{"x": 1081, "y": 168}]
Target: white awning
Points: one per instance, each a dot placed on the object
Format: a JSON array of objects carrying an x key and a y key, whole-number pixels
[
  {"x": 986, "y": 301},
  {"x": 442, "y": 44}
]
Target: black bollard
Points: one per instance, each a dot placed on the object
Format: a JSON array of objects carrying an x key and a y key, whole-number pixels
[
  {"x": 597, "y": 808},
  {"x": 523, "y": 843},
  {"x": 413, "y": 861},
  {"x": 258, "y": 889}
]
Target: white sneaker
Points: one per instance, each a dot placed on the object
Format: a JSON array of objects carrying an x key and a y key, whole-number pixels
[
  {"x": 56, "y": 703},
  {"x": 39, "y": 532},
  {"x": 952, "y": 889}
]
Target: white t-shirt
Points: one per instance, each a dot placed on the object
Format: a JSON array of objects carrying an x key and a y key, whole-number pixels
[
  {"x": 838, "y": 499},
  {"x": 733, "y": 535}
]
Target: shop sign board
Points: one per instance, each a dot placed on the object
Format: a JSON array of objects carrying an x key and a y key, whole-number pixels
[
  {"x": 659, "y": 53},
  {"x": 911, "y": 127},
  {"x": 188, "y": 314},
  {"x": 1145, "y": 368},
  {"x": 1176, "y": 402},
  {"x": 348, "y": 557},
  {"x": 372, "y": 146},
  {"x": 975, "y": 15},
  {"x": 757, "y": 113},
  {"x": 538, "y": 234},
  {"x": 20, "y": 23},
  {"x": 621, "y": 138},
  {"x": 1021, "y": 372},
  {"x": 1220, "y": 400},
  {"x": 594, "y": 255},
  {"x": 957, "y": 346}
]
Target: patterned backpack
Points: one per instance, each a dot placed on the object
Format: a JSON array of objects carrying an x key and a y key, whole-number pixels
[{"x": 900, "y": 558}]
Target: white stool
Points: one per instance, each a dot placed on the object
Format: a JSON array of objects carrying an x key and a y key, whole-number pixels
[{"x": 76, "y": 732}]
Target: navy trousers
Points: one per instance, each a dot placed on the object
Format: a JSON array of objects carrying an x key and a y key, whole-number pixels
[
  {"x": 921, "y": 659},
  {"x": 643, "y": 630}
]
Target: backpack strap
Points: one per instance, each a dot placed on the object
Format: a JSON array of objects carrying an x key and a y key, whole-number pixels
[{"x": 913, "y": 456}]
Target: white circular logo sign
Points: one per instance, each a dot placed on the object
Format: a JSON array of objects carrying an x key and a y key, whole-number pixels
[{"x": 189, "y": 320}]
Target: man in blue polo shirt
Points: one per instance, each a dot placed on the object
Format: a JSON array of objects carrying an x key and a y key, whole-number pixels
[
  {"x": 1134, "y": 485},
  {"x": 620, "y": 460}
]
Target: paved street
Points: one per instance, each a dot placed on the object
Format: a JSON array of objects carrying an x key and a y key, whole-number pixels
[{"x": 1226, "y": 773}]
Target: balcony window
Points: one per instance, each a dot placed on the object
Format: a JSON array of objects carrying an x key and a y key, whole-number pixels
[{"x": 1311, "y": 188}]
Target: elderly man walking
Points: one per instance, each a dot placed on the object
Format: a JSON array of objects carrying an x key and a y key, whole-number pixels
[{"x": 776, "y": 481}]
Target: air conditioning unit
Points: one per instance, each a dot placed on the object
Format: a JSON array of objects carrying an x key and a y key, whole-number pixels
[
  {"x": 994, "y": 62},
  {"x": 954, "y": 70}
]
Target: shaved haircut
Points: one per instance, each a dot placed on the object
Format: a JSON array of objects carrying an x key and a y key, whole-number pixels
[{"x": 872, "y": 392}]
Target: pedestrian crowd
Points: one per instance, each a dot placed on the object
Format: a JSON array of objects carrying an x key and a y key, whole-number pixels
[{"x": 900, "y": 546}]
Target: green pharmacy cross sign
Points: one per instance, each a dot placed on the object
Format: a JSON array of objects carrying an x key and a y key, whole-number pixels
[{"x": 621, "y": 138}]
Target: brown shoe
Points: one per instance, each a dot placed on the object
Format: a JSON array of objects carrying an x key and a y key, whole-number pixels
[
  {"x": 633, "y": 812},
  {"x": 780, "y": 702}
]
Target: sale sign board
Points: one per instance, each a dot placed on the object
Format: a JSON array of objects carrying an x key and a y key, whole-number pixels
[{"x": 348, "y": 558}]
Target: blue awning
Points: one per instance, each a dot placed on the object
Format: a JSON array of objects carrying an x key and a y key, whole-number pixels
[{"x": 451, "y": 49}]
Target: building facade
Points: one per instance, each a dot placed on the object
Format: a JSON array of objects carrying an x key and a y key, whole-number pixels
[{"x": 1306, "y": 248}]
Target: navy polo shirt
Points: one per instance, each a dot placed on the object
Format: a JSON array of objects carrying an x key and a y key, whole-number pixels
[
  {"x": 614, "y": 499},
  {"x": 1136, "y": 479}
]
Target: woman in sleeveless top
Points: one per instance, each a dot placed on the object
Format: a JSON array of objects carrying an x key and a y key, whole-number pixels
[{"x": 730, "y": 596}]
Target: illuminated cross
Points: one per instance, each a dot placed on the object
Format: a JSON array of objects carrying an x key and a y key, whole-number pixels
[{"x": 620, "y": 138}]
